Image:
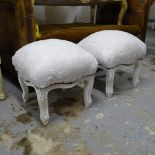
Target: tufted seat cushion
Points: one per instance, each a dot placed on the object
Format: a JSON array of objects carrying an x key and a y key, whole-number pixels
[
  {"x": 113, "y": 47},
  {"x": 53, "y": 61}
]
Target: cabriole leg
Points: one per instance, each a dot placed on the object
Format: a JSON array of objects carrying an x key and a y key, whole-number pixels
[
  {"x": 136, "y": 73},
  {"x": 25, "y": 89},
  {"x": 88, "y": 90},
  {"x": 42, "y": 96},
  {"x": 109, "y": 82}
]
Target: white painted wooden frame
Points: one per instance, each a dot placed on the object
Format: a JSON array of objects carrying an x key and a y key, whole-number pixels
[
  {"x": 2, "y": 95},
  {"x": 110, "y": 73},
  {"x": 42, "y": 93}
]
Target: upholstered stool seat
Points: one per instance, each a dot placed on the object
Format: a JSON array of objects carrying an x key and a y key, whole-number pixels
[
  {"x": 113, "y": 49},
  {"x": 51, "y": 64}
]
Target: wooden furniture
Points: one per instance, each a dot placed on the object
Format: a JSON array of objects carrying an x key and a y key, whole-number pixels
[
  {"x": 153, "y": 1},
  {"x": 69, "y": 32},
  {"x": 91, "y": 3},
  {"x": 12, "y": 31},
  {"x": 18, "y": 25},
  {"x": 137, "y": 15},
  {"x": 2, "y": 95}
]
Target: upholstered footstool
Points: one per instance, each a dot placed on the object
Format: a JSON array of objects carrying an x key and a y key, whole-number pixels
[
  {"x": 2, "y": 95},
  {"x": 114, "y": 49},
  {"x": 50, "y": 64}
]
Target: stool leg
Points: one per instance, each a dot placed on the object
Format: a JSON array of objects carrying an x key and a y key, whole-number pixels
[
  {"x": 25, "y": 89},
  {"x": 109, "y": 82},
  {"x": 2, "y": 95},
  {"x": 42, "y": 95},
  {"x": 87, "y": 91},
  {"x": 136, "y": 73}
]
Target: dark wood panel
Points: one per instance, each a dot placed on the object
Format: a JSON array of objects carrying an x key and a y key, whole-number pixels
[
  {"x": 71, "y": 2},
  {"x": 7, "y": 1},
  {"x": 8, "y": 26},
  {"x": 20, "y": 17},
  {"x": 30, "y": 20},
  {"x": 78, "y": 31}
]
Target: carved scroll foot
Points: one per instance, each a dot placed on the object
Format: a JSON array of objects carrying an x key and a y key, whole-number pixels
[
  {"x": 87, "y": 91},
  {"x": 136, "y": 73},
  {"x": 43, "y": 105},
  {"x": 109, "y": 82},
  {"x": 25, "y": 89}
]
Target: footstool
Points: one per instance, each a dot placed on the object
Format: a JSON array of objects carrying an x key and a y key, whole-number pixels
[
  {"x": 2, "y": 95},
  {"x": 114, "y": 49},
  {"x": 51, "y": 64}
]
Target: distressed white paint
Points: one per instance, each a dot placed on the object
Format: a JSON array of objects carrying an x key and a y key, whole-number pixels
[{"x": 42, "y": 94}]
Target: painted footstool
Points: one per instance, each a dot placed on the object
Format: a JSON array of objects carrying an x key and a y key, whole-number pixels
[
  {"x": 50, "y": 64},
  {"x": 114, "y": 49}
]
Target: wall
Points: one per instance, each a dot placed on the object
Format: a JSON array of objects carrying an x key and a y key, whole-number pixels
[
  {"x": 40, "y": 15},
  {"x": 61, "y": 14},
  {"x": 68, "y": 14},
  {"x": 152, "y": 11}
]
